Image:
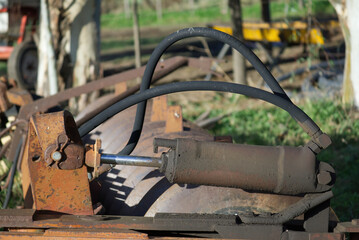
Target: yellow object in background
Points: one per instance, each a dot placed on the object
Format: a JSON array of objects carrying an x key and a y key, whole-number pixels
[{"x": 296, "y": 32}]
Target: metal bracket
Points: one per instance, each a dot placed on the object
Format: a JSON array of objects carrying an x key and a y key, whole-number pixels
[{"x": 53, "y": 189}]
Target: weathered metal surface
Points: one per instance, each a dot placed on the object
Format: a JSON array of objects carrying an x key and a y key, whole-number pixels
[
  {"x": 161, "y": 222},
  {"x": 316, "y": 220},
  {"x": 19, "y": 96},
  {"x": 250, "y": 232},
  {"x": 93, "y": 157},
  {"x": 296, "y": 235},
  {"x": 11, "y": 215},
  {"x": 159, "y": 108},
  {"x": 80, "y": 234},
  {"x": 174, "y": 121},
  {"x": 65, "y": 191},
  {"x": 42, "y": 225},
  {"x": 57, "y": 133},
  {"x": 120, "y": 88},
  {"x": 282, "y": 169}
]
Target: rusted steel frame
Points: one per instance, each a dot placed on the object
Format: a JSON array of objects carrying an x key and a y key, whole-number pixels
[
  {"x": 295, "y": 235},
  {"x": 161, "y": 222},
  {"x": 226, "y": 226},
  {"x": 53, "y": 189},
  {"x": 44, "y": 104},
  {"x": 81, "y": 234}
]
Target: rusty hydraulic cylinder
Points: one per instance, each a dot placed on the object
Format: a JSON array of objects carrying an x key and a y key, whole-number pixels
[{"x": 282, "y": 169}]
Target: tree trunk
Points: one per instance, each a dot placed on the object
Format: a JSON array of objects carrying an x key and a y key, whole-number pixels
[
  {"x": 46, "y": 76},
  {"x": 75, "y": 28},
  {"x": 349, "y": 22},
  {"x": 136, "y": 34},
  {"x": 159, "y": 9},
  {"x": 239, "y": 63}
]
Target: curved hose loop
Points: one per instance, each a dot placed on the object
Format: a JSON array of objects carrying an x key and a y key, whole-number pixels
[
  {"x": 188, "y": 33},
  {"x": 293, "y": 110}
]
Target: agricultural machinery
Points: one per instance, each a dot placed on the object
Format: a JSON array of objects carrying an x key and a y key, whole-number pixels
[{"x": 121, "y": 171}]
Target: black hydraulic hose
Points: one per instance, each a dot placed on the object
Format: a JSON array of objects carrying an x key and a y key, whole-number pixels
[
  {"x": 293, "y": 110},
  {"x": 188, "y": 33}
]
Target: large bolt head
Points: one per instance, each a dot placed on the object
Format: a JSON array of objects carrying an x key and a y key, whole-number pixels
[{"x": 56, "y": 156}]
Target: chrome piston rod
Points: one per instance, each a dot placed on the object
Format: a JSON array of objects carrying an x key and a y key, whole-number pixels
[{"x": 131, "y": 160}]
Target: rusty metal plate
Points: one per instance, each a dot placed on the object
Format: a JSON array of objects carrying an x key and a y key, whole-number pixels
[{"x": 65, "y": 191}]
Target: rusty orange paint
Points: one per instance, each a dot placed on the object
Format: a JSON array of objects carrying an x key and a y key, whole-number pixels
[
  {"x": 174, "y": 122},
  {"x": 25, "y": 178},
  {"x": 159, "y": 109},
  {"x": 65, "y": 191},
  {"x": 120, "y": 88},
  {"x": 93, "y": 157},
  {"x": 19, "y": 96},
  {"x": 97, "y": 233}
]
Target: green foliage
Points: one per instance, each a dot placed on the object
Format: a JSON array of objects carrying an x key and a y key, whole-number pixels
[
  {"x": 273, "y": 126},
  {"x": 16, "y": 196},
  {"x": 3, "y": 68}
]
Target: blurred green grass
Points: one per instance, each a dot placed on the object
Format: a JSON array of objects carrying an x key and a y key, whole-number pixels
[
  {"x": 213, "y": 15},
  {"x": 107, "y": 45}
]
